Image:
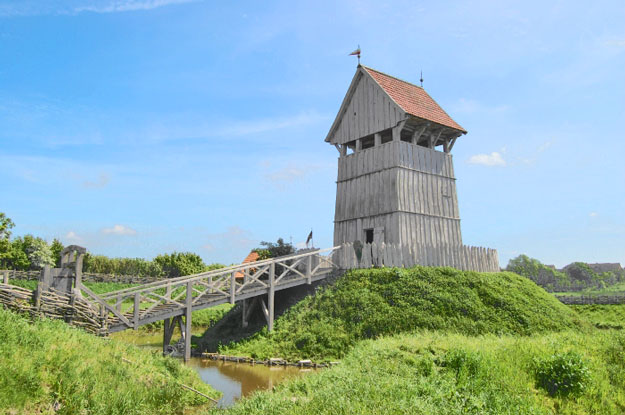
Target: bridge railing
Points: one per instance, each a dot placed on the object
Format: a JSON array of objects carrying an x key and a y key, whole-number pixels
[{"x": 132, "y": 307}]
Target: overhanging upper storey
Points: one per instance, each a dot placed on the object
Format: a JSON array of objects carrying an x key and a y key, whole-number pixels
[{"x": 379, "y": 104}]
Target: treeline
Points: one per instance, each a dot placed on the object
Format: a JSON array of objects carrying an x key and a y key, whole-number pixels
[
  {"x": 577, "y": 276},
  {"x": 25, "y": 253}
]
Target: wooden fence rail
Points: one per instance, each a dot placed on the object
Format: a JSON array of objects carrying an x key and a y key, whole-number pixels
[{"x": 592, "y": 299}]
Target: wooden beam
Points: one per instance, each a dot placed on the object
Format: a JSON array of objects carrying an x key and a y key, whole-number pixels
[
  {"x": 397, "y": 130},
  {"x": 271, "y": 296},
  {"x": 435, "y": 140},
  {"x": 452, "y": 142},
  {"x": 135, "y": 312},
  {"x": 418, "y": 133},
  {"x": 188, "y": 312},
  {"x": 232, "y": 287}
]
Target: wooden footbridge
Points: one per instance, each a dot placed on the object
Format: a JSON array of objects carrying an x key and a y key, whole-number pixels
[{"x": 173, "y": 299}]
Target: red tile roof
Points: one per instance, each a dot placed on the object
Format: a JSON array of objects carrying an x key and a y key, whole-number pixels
[
  {"x": 413, "y": 99},
  {"x": 252, "y": 257}
]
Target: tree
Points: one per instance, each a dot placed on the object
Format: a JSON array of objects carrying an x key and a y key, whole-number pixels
[
  {"x": 273, "y": 250},
  {"x": 56, "y": 246},
  {"x": 178, "y": 264},
  {"x": 36, "y": 249},
  {"x": 6, "y": 224},
  {"x": 11, "y": 254}
]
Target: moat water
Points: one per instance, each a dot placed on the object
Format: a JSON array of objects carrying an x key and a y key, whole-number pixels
[{"x": 233, "y": 380}]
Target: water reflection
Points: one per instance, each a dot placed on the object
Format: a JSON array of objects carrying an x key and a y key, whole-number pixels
[{"x": 236, "y": 380}]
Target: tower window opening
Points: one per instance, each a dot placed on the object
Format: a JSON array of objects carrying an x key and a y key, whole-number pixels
[
  {"x": 406, "y": 136},
  {"x": 387, "y": 136},
  {"x": 367, "y": 142},
  {"x": 368, "y": 236},
  {"x": 351, "y": 147}
]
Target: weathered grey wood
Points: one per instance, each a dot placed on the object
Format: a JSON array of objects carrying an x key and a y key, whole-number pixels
[
  {"x": 232, "y": 287},
  {"x": 135, "y": 311},
  {"x": 188, "y": 313},
  {"x": 271, "y": 295}
]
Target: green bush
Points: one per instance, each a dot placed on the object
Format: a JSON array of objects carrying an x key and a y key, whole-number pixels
[{"x": 562, "y": 374}]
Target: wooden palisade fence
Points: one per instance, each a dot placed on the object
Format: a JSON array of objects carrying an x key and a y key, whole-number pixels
[{"x": 462, "y": 257}]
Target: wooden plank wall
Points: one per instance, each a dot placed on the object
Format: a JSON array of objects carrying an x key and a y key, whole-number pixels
[
  {"x": 408, "y": 189},
  {"x": 370, "y": 110},
  {"x": 463, "y": 257}
]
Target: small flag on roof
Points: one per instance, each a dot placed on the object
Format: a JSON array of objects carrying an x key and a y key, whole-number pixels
[
  {"x": 309, "y": 238},
  {"x": 357, "y": 53}
]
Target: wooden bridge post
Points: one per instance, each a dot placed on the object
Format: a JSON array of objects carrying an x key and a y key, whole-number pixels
[
  {"x": 232, "y": 286},
  {"x": 309, "y": 269},
  {"x": 188, "y": 310},
  {"x": 244, "y": 313},
  {"x": 272, "y": 289},
  {"x": 168, "y": 331},
  {"x": 135, "y": 312}
]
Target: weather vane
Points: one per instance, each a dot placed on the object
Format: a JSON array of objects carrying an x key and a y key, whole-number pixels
[
  {"x": 421, "y": 79},
  {"x": 357, "y": 53}
]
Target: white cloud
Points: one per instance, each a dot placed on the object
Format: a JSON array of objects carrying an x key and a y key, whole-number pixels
[
  {"x": 271, "y": 124},
  {"x": 34, "y": 8},
  {"x": 287, "y": 174},
  {"x": 101, "y": 182},
  {"x": 71, "y": 236},
  {"x": 471, "y": 106},
  {"x": 593, "y": 214},
  {"x": 234, "y": 237},
  {"x": 491, "y": 160},
  {"x": 119, "y": 230}
]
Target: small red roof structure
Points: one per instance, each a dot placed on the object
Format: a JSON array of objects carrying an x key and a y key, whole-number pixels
[
  {"x": 252, "y": 257},
  {"x": 413, "y": 99}
]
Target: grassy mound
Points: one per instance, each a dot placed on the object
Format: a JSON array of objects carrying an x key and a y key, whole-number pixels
[
  {"x": 369, "y": 303},
  {"x": 438, "y": 373},
  {"x": 47, "y": 363},
  {"x": 603, "y": 316}
]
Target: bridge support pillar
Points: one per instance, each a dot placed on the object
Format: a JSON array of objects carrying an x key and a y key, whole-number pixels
[
  {"x": 271, "y": 296},
  {"x": 168, "y": 332},
  {"x": 189, "y": 309},
  {"x": 244, "y": 308}
]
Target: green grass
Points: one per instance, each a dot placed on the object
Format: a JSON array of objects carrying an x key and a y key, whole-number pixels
[
  {"x": 46, "y": 361},
  {"x": 618, "y": 288},
  {"x": 603, "y": 316},
  {"x": 369, "y": 303},
  {"x": 439, "y": 373}
]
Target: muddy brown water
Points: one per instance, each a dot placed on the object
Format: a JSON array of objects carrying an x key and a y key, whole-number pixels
[
  {"x": 233, "y": 380},
  {"x": 237, "y": 380}
]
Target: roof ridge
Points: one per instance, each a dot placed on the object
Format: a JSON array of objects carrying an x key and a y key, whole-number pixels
[{"x": 391, "y": 76}]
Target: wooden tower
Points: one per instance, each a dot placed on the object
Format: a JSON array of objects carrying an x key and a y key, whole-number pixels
[{"x": 396, "y": 179}]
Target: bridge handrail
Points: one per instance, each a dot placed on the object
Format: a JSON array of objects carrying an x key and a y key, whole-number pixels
[{"x": 190, "y": 278}]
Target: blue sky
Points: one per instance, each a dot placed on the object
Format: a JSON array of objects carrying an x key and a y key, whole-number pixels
[{"x": 147, "y": 126}]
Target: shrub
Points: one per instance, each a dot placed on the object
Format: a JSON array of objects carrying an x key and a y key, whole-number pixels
[{"x": 562, "y": 374}]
